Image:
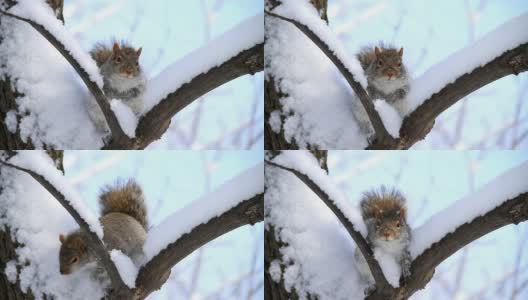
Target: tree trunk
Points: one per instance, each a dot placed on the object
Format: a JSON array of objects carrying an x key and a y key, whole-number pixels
[
  {"x": 8, "y": 246},
  {"x": 275, "y": 290},
  {"x": 272, "y": 95},
  {"x": 8, "y": 94}
]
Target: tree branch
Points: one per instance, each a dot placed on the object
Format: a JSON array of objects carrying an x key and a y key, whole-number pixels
[
  {"x": 156, "y": 121},
  {"x": 513, "y": 211},
  {"x": 418, "y": 123},
  {"x": 117, "y": 133},
  {"x": 382, "y": 135},
  {"x": 248, "y": 211},
  {"x": 93, "y": 240},
  {"x": 375, "y": 269}
]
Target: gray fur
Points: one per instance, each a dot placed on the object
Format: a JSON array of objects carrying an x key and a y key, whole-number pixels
[
  {"x": 392, "y": 219},
  {"x": 379, "y": 86},
  {"x": 117, "y": 85}
]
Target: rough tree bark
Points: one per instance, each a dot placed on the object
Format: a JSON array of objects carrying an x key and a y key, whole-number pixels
[
  {"x": 276, "y": 290},
  {"x": 8, "y": 247}
]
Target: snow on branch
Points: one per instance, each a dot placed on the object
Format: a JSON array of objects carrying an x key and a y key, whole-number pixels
[
  {"x": 507, "y": 186},
  {"x": 42, "y": 20},
  {"x": 502, "y": 202},
  {"x": 318, "y": 32},
  {"x": 238, "y": 202},
  {"x": 492, "y": 45},
  {"x": 238, "y": 52},
  {"x": 307, "y": 170},
  {"x": 500, "y": 53},
  {"x": 244, "y": 36},
  {"x": 40, "y": 166}
]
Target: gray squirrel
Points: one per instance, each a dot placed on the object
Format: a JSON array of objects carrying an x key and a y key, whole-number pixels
[
  {"x": 122, "y": 76},
  {"x": 124, "y": 221},
  {"x": 387, "y": 79},
  {"x": 384, "y": 213}
]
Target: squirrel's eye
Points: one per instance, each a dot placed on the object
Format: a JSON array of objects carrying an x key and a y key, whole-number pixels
[
  {"x": 380, "y": 63},
  {"x": 399, "y": 64},
  {"x": 74, "y": 260},
  {"x": 118, "y": 59},
  {"x": 398, "y": 224}
]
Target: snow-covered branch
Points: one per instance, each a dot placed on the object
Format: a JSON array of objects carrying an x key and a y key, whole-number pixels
[
  {"x": 236, "y": 203},
  {"x": 54, "y": 31},
  {"x": 502, "y": 52},
  {"x": 317, "y": 31},
  {"x": 238, "y": 52},
  {"x": 318, "y": 182},
  {"x": 155, "y": 122},
  {"x": 501, "y": 202},
  {"x": 41, "y": 168},
  {"x": 510, "y": 62}
]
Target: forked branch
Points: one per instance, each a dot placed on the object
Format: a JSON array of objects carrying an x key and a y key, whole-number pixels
[
  {"x": 382, "y": 135},
  {"x": 419, "y": 123},
  {"x": 249, "y": 211},
  {"x": 154, "y": 123},
  {"x": 512, "y": 211},
  {"x": 375, "y": 269},
  {"x": 111, "y": 119},
  {"x": 93, "y": 240}
]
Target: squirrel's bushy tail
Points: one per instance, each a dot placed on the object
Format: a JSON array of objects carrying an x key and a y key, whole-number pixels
[{"x": 124, "y": 197}]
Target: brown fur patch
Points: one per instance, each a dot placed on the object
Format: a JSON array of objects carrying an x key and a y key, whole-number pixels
[
  {"x": 382, "y": 201},
  {"x": 124, "y": 197}
]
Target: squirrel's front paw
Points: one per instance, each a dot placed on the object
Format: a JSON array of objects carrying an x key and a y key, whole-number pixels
[
  {"x": 406, "y": 272},
  {"x": 401, "y": 93}
]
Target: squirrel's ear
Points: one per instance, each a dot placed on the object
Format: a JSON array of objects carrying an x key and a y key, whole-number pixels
[
  {"x": 400, "y": 52},
  {"x": 116, "y": 47},
  {"x": 377, "y": 51},
  {"x": 61, "y": 238},
  {"x": 402, "y": 212},
  {"x": 139, "y": 51}
]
